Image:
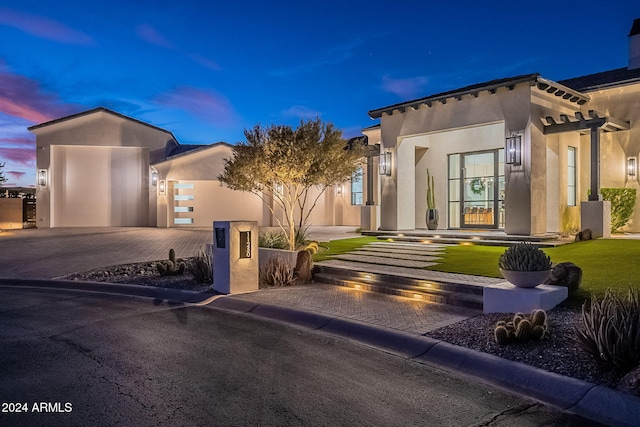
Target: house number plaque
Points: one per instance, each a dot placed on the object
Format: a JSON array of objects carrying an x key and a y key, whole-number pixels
[{"x": 245, "y": 244}]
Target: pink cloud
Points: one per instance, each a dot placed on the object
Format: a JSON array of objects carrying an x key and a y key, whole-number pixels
[
  {"x": 151, "y": 35},
  {"x": 405, "y": 88},
  {"x": 16, "y": 174},
  {"x": 23, "y": 97},
  {"x": 23, "y": 140},
  {"x": 43, "y": 27},
  {"x": 208, "y": 105},
  {"x": 18, "y": 155}
]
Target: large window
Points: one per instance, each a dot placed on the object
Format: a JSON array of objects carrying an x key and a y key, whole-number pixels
[
  {"x": 357, "y": 196},
  {"x": 571, "y": 177}
]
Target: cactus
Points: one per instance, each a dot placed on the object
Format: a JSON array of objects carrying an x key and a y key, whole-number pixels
[
  {"x": 538, "y": 318},
  {"x": 523, "y": 331},
  {"x": 517, "y": 319},
  {"x": 521, "y": 328},
  {"x": 537, "y": 332},
  {"x": 501, "y": 335},
  {"x": 431, "y": 200},
  {"x": 171, "y": 267},
  {"x": 524, "y": 257}
]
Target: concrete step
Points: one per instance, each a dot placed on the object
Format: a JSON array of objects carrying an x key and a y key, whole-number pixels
[
  {"x": 442, "y": 292},
  {"x": 457, "y": 239}
]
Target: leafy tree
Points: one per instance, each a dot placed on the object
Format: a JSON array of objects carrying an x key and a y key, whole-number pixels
[
  {"x": 281, "y": 164},
  {"x": 3, "y": 179}
]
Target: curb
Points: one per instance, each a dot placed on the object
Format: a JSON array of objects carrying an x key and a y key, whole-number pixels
[
  {"x": 570, "y": 395},
  {"x": 157, "y": 293}
]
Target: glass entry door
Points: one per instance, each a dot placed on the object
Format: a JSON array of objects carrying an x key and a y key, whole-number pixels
[{"x": 482, "y": 189}]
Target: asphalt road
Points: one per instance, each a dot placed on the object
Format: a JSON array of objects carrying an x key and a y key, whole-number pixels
[{"x": 79, "y": 359}]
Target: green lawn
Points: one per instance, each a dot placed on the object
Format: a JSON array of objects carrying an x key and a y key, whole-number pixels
[
  {"x": 341, "y": 246},
  {"x": 605, "y": 263}
]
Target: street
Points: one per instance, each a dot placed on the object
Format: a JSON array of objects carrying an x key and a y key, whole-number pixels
[{"x": 77, "y": 359}]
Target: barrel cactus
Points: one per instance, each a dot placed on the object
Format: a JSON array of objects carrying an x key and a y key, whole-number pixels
[
  {"x": 521, "y": 328},
  {"x": 524, "y": 257}
]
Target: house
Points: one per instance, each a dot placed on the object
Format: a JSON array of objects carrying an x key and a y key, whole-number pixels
[
  {"x": 101, "y": 168},
  {"x": 523, "y": 154}
]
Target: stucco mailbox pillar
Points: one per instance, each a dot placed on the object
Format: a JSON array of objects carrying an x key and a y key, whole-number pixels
[{"x": 235, "y": 256}]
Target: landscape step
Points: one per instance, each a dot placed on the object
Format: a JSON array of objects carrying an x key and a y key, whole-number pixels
[{"x": 442, "y": 292}]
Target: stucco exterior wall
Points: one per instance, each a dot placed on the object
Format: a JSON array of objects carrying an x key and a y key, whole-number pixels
[
  {"x": 462, "y": 126},
  {"x": 93, "y": 160},
  {"x": 213, "y": 201},
  {"x": 623, "y": 103}
]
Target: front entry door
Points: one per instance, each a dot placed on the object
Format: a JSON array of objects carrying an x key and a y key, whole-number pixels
[{"x": 482, "y": 190}]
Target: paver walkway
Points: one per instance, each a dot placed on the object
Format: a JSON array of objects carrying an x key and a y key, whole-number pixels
[{"x": 404, "y": 314}]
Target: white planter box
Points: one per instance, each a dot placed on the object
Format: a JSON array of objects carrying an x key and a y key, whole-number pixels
[{"x": 265, "y": 254}]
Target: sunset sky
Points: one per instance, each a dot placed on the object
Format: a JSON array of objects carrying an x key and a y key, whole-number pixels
[{"x": 207, "y": 70}]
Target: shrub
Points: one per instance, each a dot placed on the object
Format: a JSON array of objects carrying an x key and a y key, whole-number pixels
[
  {"x": 276, "y": 272},
  {"x": 610, "y": 329},
  {"x": 623, "y": 200},
  {"x": 279, "y": 240},
  {"x": 273, "y": 240},
  {"x": 201, "y": 267}
]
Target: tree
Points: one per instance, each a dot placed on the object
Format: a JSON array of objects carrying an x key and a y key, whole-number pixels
[
  {"x": 3, "y": 179},
  {"x": 282, "y": 164}
]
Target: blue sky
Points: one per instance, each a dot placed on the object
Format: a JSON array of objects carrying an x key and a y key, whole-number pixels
[{"x": 207, "y": 70}]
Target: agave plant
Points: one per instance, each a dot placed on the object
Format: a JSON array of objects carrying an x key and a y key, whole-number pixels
[
  {"x": 610, "y": 329},
  {"x": 524, "y": 257}
]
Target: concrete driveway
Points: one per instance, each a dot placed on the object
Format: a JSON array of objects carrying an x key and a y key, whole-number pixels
[
  {"x": 45, "y": 253},
  {"x": 48, "y": 253}
]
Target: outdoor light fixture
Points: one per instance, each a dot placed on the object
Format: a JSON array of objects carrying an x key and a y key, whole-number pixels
[
  {"x": 42, "y": 177},
  {"x": 162, "y": 187},
  {"x": 339, "y": 190},
  {"x": 513, "y": 152},
  {"x": 632, "y": 165},
  {"x": 154, "y": 178},
  {"x": 385, "y": 164}
]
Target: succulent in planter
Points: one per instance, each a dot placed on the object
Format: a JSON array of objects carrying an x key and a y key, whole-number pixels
[{"x": 525, "y": 265}]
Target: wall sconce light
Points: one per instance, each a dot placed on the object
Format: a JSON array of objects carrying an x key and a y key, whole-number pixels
[
  {"x": 163, "y": 186},
  {"x": 339, "y": 190},
  {"x": 154, "y": 178},
  {"x": 42, "y": 177},
  {"x": 385, "y": 164},
  {"x": 513, "y": 153},
  {"x": 632, "y": 163}
]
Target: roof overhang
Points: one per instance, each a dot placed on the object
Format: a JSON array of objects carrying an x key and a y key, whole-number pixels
[{"x": 491, "y": 87}]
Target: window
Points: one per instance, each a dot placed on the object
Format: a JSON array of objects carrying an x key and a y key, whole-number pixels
[
  {"x": 357, "y": 196},
  {"x": 571, "y": 176}
]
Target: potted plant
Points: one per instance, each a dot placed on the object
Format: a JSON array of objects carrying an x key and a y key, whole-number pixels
[
  {"x": 525, "y": 265},
  {"x": 432, "y": 212}
]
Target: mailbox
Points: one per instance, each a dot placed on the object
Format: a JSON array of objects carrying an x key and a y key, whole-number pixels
[{"x": 235, "y": 263}]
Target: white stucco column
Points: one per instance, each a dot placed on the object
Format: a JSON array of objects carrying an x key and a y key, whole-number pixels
[{"x": 406, "y": 186}]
